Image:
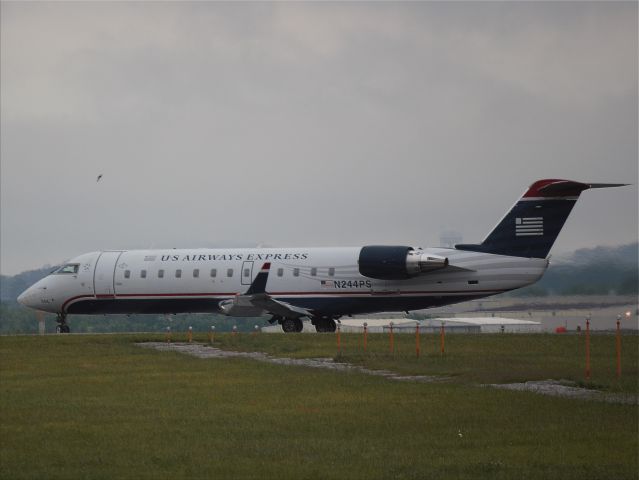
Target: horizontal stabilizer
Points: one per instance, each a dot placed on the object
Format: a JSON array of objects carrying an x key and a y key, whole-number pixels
[
  {"x": 608, "y": 185},
  {"x": 564, "y": 188}
]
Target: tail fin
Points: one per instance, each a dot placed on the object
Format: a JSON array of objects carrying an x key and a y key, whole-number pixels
[{"x": 531, "y": 227}]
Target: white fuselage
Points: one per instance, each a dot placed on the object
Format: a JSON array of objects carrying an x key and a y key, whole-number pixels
[{"x": 324, "y": 280}]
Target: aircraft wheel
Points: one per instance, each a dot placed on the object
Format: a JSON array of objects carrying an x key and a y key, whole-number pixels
[
  {"x": 292, "y": 325},
  {"x": 58, "y": 329},
  {"x": 325, "y": 325},
  {"x": 289, "y": 325},
  {"x": 66, "y": 329}
]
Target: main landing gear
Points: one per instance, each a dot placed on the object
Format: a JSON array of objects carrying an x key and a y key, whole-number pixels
[
  {"x": 324, "y": 324},
  {"x": 292, "y": 325},
  {"x": 289, "y": 325},
  {"x": 295, "y": 325},
  {"x": 62, "y": 326}
]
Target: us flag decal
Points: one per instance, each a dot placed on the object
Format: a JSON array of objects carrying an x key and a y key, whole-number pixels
[
  {"x": 529, "y": 226},
  {"x": 327, "y": 283}
]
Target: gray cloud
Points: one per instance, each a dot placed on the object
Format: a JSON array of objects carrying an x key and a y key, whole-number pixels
[{"x": 309, "y": 124}]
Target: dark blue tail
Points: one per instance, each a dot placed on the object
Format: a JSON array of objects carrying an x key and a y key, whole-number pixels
[{"x": 531, "y": 227}]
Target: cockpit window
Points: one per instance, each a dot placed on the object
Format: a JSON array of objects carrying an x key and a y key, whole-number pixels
[{"x": 68, "y": 268}]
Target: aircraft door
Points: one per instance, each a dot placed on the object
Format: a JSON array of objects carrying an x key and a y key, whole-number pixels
[
  {"x": 104, "y": 274},
  {"x": 247, "y": 273}
]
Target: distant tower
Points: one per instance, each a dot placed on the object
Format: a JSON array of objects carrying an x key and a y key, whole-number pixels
[{"x": 450, "y": 238}]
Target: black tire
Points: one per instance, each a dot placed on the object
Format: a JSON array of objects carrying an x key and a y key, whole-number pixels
[
  {"x": 325, "y": 325},
  {"x": 292, "y": 325},
  {"x": 66, "y": 329},
  {"x": 289, "y": 325}
]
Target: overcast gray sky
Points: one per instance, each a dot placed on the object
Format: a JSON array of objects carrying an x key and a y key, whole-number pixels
[{"x": 308, "y": 123}]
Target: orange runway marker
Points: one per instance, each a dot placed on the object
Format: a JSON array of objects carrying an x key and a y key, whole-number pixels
[
  {"x": 392, "y": 339},
  {"x": 365, "y": 335},
  {"x": 618, "y": 346},
  {"x": 588, "y": 348}
]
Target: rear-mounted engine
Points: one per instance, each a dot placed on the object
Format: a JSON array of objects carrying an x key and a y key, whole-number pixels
[{"x": 397, "y": 262}]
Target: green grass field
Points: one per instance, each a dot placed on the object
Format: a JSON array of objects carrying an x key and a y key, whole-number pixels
[
  {"x": 101, "y": 407},
  {"x": 467, "y": 359}
]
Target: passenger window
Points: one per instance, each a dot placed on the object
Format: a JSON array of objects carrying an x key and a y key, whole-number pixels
[
  {"x": 247, "y": 272},
  {"x": 229, "y": 272},
  {"x": 214, "y": 272},
  {"x": 127, "y": 274},
  {"x": 313, "y": 271},
  {"x": 196, "y": 273},
  {"x": 142, "y": 273},
  {"x": 296, "y": 272},
  {"x": 331, "y": 272},
  {"x": 178, "y": 273},
  {"x": 280, "y": 272},
  {"x": 160, "y": 273}
]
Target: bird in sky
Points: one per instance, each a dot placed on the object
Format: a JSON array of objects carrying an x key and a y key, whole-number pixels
[{"x": 98, "y": 179}]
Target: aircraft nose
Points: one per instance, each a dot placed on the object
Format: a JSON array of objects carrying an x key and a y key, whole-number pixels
[
  {"x": 26, "y": 298},
  {"x": 22, "y": 297}
]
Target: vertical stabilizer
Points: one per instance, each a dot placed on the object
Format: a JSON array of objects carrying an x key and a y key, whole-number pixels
[{"x": 533, "y": 224}]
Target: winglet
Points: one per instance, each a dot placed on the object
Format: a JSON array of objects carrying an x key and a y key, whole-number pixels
[{"x": 259, "y": 284}]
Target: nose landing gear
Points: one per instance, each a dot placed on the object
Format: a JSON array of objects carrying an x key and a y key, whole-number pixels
[{"x": 62, "y": 326}]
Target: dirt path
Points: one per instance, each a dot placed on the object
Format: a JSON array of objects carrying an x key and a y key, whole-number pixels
[
  {"x": 204, "y": 351},
  {"x": 567, "y": 388},
  {"x": 559, "y": 388}
]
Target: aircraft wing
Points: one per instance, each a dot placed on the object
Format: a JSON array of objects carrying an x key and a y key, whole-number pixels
[
  {"x": 277, "y": 307},
  {"x": 255, "y": 301}
]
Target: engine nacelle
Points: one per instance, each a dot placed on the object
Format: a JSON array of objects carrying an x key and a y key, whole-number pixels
[{"x": 397, "y": 262}]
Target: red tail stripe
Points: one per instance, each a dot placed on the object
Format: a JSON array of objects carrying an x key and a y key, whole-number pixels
[{"x": 571, "y": 188}]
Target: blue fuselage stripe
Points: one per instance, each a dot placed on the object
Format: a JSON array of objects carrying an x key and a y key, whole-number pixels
[{"x": 334, "y": 305}]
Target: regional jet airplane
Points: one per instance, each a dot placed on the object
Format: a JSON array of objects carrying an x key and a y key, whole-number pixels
[{"x": 321, "y": 284}]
